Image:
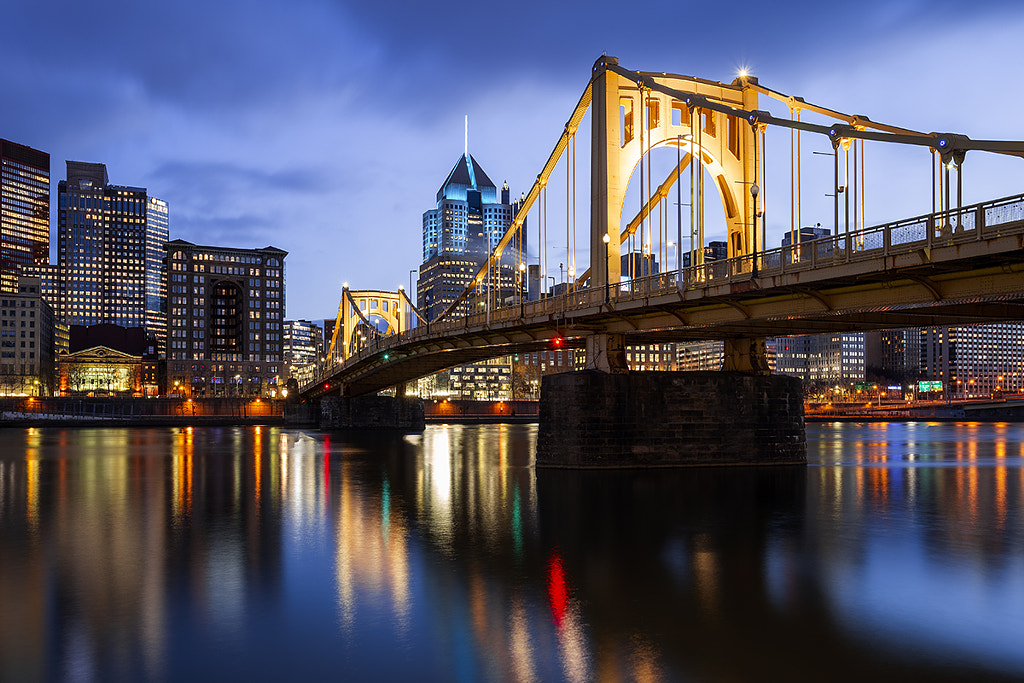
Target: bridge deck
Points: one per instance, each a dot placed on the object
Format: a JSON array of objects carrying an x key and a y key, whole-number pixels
[{"x": 917, "y": 272}]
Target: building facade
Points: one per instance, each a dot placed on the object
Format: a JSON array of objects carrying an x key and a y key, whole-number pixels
[
  {"x": 303, "y": 348},
  {"x": 27, "y": 347},
  {"x": 703, "y": 355},
  {"x": 645, "y": 357},
  {"x": 972, "y": 361},
  {"x": 714, "y": 251},
  {"x": 805, "y": 234},
  {"x": 225, "y": 333},
  {"x": 487, "y": 381},
  {"x": 821, "y": 358},
  {"x": 110, "y": 360},
  {"x": 110, "y": 252},
  {"x": 24, "y": 211}
]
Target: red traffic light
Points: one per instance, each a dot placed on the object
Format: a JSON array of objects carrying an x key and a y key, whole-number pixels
[
  {"x": 557, "y": 341},
  {"x": 327, "y": 386}
]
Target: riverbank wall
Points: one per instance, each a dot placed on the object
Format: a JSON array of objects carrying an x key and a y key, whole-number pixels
[{"x": 142, "y": 412}]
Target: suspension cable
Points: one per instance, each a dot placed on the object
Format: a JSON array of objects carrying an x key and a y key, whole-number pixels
[
  {"x": 863, "y": 190},
  {"x": 574, "y": 205},
  {"x": 764, "y": 183},
  {"x": 792, "y": 188},
  {"x": 544, "y": 207},
  {"x": 650, "y": 189},
  {"x": 693, "y": 162},
  {"x": 799, "y": 176}
]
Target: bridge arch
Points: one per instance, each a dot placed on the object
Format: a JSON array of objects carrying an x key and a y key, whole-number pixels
[
  {"x": 731, "y": 196},
  {"x": 629, "y": 120},
  {"x": 357, "y": 307}
]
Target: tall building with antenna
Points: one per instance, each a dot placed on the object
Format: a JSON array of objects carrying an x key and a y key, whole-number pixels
[{"x": 467, "y": 222}]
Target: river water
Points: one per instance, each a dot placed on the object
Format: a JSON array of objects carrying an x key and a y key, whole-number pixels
[{"x": 276, "y": 554}]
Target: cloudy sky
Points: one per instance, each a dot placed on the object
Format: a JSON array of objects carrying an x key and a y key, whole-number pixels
[{"x": 325, "y": 128}]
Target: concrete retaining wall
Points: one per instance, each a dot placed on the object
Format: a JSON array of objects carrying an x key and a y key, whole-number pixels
[{"x": 670, "y": 419}]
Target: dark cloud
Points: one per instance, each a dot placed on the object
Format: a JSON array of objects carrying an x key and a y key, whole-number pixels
[
  {"x": 324, "y": 127},
  {"x": 218, "y": 179}
]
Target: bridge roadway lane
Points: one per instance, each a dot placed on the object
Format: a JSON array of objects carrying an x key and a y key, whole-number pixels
[{"x": 877, "y": 279}]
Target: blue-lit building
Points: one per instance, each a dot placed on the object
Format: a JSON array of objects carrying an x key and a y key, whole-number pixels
[{"x": 458, "y": 234}]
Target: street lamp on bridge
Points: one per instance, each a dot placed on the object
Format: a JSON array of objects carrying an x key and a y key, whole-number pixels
[{"x": 606, "y": 238}]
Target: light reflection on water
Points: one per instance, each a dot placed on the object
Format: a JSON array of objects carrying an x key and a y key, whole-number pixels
[{"x": 265, "y": 553}]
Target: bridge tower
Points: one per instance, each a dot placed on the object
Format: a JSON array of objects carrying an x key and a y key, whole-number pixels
[
  {"x": 357, "y": 307},
  {"x": 628, "y": 120}
]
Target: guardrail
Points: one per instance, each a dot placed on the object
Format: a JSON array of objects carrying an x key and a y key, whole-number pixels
[{"x": 945, "y": 228}]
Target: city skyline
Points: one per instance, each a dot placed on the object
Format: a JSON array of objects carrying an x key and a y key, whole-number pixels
[{"x": 300, "y": 125}]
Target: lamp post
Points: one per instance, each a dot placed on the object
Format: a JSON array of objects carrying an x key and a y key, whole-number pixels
[
  {"x": 606, "y": 238},
  {"x": 754, "y": 190}
]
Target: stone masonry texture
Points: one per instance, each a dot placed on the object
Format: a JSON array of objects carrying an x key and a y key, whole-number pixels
[{"x": 670, "y": 419}]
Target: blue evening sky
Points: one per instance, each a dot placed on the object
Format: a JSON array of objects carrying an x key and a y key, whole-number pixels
[{"x": 325, "y": 128}]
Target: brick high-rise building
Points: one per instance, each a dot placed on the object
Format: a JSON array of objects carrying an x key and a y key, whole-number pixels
[{"x": 225, "y": 320}]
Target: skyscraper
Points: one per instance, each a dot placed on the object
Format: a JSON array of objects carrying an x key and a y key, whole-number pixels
[
  {"x": 24, "y": 211},
  {"x": 110, "y": 252},
  {"x": 458, "y": 235}
]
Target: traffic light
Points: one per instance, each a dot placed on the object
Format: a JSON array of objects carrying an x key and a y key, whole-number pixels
[
  {"x": 386, "y": 355},
  {"x": 557, "y": 341}
]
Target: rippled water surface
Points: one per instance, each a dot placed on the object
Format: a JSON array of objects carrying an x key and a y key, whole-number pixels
[{"x": 273, "y": 554}]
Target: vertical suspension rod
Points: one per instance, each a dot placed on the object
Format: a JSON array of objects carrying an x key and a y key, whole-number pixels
[
  {"x": 764, "y": 183},
  {"x": 574, "y": 205},
  {"x": 792, "y": 189}
]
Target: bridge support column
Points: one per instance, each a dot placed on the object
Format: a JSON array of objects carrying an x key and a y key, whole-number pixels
[
  {"x": 594, "y": 419},
  {"x": 371, "y": 412},
  {"x": 746, "y": 355},
  {"x": 607, "y": 353}
]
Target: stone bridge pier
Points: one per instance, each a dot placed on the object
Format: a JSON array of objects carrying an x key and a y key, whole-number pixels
[
  {"x": 606, "y": 416},
  {"x": 399, "y": 412}
]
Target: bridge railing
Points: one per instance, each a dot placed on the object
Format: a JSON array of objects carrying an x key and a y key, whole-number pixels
[{"x": 944, "y": 228}]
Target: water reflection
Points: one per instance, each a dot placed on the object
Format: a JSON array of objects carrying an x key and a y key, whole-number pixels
[{"x": 266, "y": 553}]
